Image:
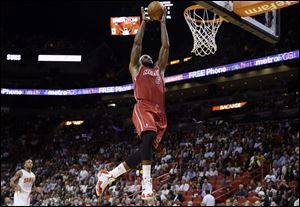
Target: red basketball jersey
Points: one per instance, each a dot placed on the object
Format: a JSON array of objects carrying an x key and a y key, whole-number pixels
[{"x": 149, "y": 86}]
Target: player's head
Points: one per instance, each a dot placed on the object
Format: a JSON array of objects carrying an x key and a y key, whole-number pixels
[
  {"x": 28, "y": 164},
  {"x": 147, "y": 61}
]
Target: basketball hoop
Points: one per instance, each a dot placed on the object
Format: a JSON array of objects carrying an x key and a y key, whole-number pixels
[{"x": 204, "y": 26}]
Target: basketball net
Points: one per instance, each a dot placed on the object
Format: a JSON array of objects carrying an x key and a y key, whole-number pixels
[{"x": 204, "y": 26}]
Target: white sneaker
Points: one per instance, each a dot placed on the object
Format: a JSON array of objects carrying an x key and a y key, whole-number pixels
[
  {"x": 104, "y": 179},
  {"x": 147, "y": 193}
]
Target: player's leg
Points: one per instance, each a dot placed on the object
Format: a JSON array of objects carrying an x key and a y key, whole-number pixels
[
  {"x": 153, "y": 141},
  {"x": 146, "y": 156},
  {"x": 143, "y": 154}
]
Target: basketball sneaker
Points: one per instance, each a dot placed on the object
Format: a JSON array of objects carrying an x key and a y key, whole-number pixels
[
  {"x": 147, "y": 193},
  {"x": 105, "y": 178}
]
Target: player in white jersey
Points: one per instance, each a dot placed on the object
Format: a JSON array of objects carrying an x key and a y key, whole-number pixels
[{"x": 23, "y": 182}]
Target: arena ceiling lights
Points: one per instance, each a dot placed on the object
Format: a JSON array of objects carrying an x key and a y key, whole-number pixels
[
  {"x": 78, "y": 122},
  {"x": 59, "y": 58}
]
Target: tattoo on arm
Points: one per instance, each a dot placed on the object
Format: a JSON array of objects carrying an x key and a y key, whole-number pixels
[{"x": 15, "y": 179}]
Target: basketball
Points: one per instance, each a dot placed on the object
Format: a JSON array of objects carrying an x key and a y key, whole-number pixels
[{"x": 155, "y": 10}]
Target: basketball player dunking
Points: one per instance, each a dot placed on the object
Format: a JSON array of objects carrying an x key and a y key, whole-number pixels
[
  {"x": 149, "y": 112},
  {"x": 22, "y": 183}
]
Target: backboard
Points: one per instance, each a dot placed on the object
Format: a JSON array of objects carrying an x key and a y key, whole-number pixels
[{"x": 265, "y": 25}]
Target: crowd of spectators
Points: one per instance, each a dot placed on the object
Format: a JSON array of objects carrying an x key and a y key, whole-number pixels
[{"x": 67, "y": 159}]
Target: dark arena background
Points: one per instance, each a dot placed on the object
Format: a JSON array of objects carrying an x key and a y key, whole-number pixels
[{"x": 67, "y": 102}]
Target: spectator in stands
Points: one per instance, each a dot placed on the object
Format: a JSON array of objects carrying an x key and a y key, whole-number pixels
[
  {"x": 271, "y": 189},
  {"x": 241, "y": 192},
  {"x": 8, "y": 201},
  {"x": 235, "y": 202},
  {"x": 178, "y": 196},
  {"x": 203, "y": 173},
  {"x": 270, "y": 177},
  {"x": 258, "y": 188},
  {"x": 83, "y": 174},
  {"x": 184, "y": 186},
  {"x": 264, "y": 198},
  {"x": 261, "y": 158},
  {"x": 173, "y": 171},
  {"x": 164, "y": 193},
  {"x": 177, "y": 203},
  {"x": 273, "y": 203},
  {"x": 276, "y": 162},
  {"x": 135, "y": 187},
  {"x": 292, "y": 197},
  {"x": 209, "y": 200},
  {"x": 228, "y": 202},
  {"x": 213, "y": 170},
  {"x": 284, "y": 170},
  {"x": 186, "y": 177},
  {"x": 254, "y": 162},
  {"x": 296, "y": 203},
  {"x": 206, "y": 186},
  {"x": 257, "y": 203},
  {"x": 230, "y": 169},
  {"x": 236, "y": 170},
  {"x": 251, "y": 186}
]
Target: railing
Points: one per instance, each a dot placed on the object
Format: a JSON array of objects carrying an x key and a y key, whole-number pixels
[{"x": 256, "y": 174}]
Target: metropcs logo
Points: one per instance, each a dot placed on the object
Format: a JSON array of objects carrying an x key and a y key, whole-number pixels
[
  {"x": 228, "y": 106},
  {"x": 253, "y": 8},
  {"x": 275, "y": 58}
]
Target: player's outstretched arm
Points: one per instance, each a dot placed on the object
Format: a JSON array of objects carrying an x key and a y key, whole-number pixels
[
  {"x": 137, "y": 46},
  {"x": 164, "y": 50},
  {"x": 14, "y": 180}
]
